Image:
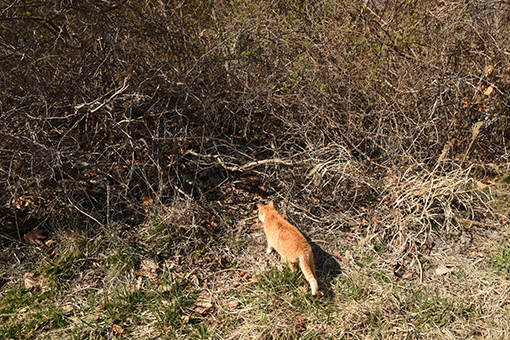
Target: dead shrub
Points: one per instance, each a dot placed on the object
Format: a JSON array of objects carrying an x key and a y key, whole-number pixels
[{"x": 106, "y": 106}]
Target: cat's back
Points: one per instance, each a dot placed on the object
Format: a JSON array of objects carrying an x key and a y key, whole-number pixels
[{"x": 285, "y": 236}]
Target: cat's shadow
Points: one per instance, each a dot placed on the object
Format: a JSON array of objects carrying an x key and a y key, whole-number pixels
[{"x": 327, "y": 267}]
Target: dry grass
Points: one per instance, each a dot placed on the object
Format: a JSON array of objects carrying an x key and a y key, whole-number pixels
[
  {"x": 170, "y": 278},
  {"x": 137, "y": 137}
]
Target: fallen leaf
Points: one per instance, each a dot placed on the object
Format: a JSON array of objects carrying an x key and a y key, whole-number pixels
[
  {"x": 148, "y": 268},
  {"x": 50, "y": 251},
  {"x": 32, "y": 283},
  {"x": 443, "y": 270},
  {"x": 164, "y": 288},
  {"x": 139, "y": 283},
  {"x": 233, "y": 304},
  {"x": 344, "y": 260},
  {"x": 185, "y": 319},
  {"x": 117, "y": 329},
  {"x": 365, "y": 240},
  {"x": 203, "y": 306},
  {"x": 35, "y": 237},
  {"x": 67, "y": 309},
  {"x": 348, "y": 258},
  {"x": 300, "y": 323},
  {"x": 489, "y": 70},
  {"x": 408, "y": 275},
  {"x": 489, "y": 90},
  {"x": 427, "y": 246},
  {"x": 148, "y": 204},
  {"x": 401, "y": 245},
  {"x": 203, "y": 309},
  {"x": 398, "y": 269}
]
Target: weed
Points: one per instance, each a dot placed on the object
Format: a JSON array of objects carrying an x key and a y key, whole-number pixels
[
  {"x": 277, "y": 282},
  {"x": 24, "y": 314},
  {"x": 63, "y": 266},
  {"x": 500, "y": 260},
  {"x": 352, "y": 288}
]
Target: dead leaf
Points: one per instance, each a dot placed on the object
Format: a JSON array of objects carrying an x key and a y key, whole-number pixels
[
  {"x": 32, "y": 283},
  {"x": 401, "y": 244},
  {"x": 67, "y": 309},
  {"x": 233, "y": 304},
  {"x": 398, "y": 269},
  {"x": 489, "y": 90},
  {"x": 148, "y": 268},
  {"x": 203, "y": 306},
  {"x": 22, "y": 202},
  {"x": 138, "y": 283},
  {"x": 317, "y": 200},
  {"x": 348, "y": 258},
  {"x": 50, "y": 251},
  {"x": 427, "y": 246},
  {"x": 345, "y": 260},
  {"x": 203, "y": 309},
  {"x": 148, "y": 204},
  {"x": 185, "y": 319},
  {"x": 117, "y": 329},
  {"x": 443, "y": 270},
  {"x": 408, "y": 275},
  {"x": 489, "y": 70},
  {"x": 164, "y": 288},
  {"x": 300, "y": 323},
  {"x": 35, "y": 237}
]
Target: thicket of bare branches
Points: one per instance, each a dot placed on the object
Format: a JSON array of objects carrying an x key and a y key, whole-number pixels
[{"x": 111, "y": 107}]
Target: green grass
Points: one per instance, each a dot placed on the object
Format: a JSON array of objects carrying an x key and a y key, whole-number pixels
[
  {"x": 26, "y": 314},
  {"x": 500, "y": 260},
  {"x": 23, "y": 314},
  {"x": 275, "y": 281},
  {"x": 61, "y": 268},
  {"x": 149, "y": 281},
  {"x": 98, "y": 290}
]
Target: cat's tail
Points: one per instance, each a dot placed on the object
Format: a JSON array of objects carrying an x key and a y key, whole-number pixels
[{"x": 308, "y": 268}]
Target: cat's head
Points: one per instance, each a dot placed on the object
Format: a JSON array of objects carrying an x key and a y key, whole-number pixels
[{"x": 263, "y": 209}]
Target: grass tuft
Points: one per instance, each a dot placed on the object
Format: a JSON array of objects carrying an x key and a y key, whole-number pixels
[{"x": 500, "y": 260}]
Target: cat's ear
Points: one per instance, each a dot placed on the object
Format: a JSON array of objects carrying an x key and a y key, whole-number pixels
[
  {"x": 271, "y": 204},
  {"x": 259, "y": 205}
]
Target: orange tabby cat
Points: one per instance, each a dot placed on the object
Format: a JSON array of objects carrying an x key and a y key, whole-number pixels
[{"x": 288, "y": 242}]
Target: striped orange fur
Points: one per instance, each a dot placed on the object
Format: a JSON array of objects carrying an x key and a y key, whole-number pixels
[{"x": 288, "y": 242}]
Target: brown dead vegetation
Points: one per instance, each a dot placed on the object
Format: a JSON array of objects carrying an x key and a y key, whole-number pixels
[
  {"x": 109, "y": 106},
  {"x": 376, "y": 123}
]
